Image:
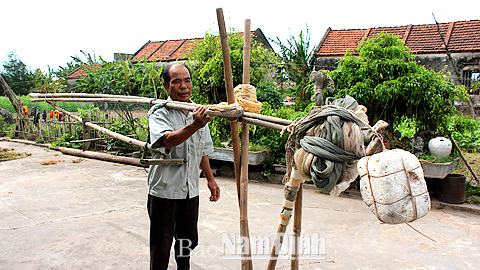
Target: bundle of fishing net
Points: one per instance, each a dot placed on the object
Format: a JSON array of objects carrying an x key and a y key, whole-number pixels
[
  {"x": 329, "y": 142},
  {"x": 332, "y": 139}
]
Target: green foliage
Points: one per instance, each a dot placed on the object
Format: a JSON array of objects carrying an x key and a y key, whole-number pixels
[
  {"x": 66, "y": 138},
  {"x": 270, "y": 138},
  {"x": 385, "y": 78},
  {"x": 5, "y": 126},
  {"x": 266, "y": 92},
  {"x": 406, "y": 126},
  {"x": 465, "y": 130},
  {"x": 120, "y": 127},
  {"x": 297, "y": 63},
  {"x": 46, "y": 82},
  {"x": 123, "y": 78},
  {"x": 17, "y": 75},
  {"x": 220, "y": 131},
  {"x": 472, "y": 193},
  {"x": 208, "y": 73}
]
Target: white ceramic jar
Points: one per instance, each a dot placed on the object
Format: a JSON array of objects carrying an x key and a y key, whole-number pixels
[{"x": 440, "y": 147}]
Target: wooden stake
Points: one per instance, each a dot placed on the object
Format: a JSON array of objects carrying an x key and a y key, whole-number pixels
[
  {"x": 291, "y": 191},
  {"x": 243, "y": 195},
  {"x": 297, "y": 227},
  {"x": 463, "y": 158},
  {"x": 227, "y": 68}
]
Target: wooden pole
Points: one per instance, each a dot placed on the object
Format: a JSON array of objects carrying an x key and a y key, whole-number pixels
[
  {"x": 227, "y": 68},
  {"x": 170, "y": 104},
  {"x": 251, "y": 118},
  {"x": 463, "y": 158},
  {"x": 243, "y": 195},
  {"x": 297, "y": 227},
  {"x": 291, "y": 190},
  {"x": 101, "y": 156}
]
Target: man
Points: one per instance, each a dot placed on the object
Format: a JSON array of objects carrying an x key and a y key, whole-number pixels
[{"x": 173, "y": 189}]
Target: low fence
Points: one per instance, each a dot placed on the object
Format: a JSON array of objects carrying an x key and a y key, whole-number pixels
[{"x": 50, "y": 130}]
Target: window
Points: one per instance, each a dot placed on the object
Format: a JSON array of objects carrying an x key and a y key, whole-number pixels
[{"x": 470, "y": 78}]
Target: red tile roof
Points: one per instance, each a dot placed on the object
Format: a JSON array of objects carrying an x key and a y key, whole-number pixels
[
  {"x": 81, "y": 71},
  {"x": 165, "y": 50},
  {"x": 172, "y": 50},
  {"x": 461, "y": 36}
]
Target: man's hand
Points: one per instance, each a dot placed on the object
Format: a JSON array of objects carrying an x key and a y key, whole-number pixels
[
  {"x": 200, "y": 119},
  {"x": 214, "y": 190}
]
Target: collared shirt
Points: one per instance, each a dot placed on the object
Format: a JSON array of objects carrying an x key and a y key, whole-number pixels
[{"x": 177, "y": 181}]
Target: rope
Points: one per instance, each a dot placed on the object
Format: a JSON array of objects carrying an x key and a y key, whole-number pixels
[
  {"x": 245, "y": 98},
  {"x": 329, "y": 140}
]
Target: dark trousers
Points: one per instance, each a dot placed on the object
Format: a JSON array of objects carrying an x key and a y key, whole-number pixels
[{"x": 172, "y": 218}]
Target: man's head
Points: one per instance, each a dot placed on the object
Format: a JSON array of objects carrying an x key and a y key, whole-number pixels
[{"x": 177, "y": 80}]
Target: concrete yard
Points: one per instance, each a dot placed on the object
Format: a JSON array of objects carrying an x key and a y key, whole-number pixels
[{"x": 91, "y": 214}]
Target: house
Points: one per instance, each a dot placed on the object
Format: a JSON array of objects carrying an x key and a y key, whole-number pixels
[
  {"x": 179, "y": 50},
  {"x": 162, "y": 52},
  {"x": 78, "y": 73},
  {"x": 462, "y": 39}
]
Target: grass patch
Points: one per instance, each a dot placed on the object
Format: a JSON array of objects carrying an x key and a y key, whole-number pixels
[{"x": 42, "y": 106}]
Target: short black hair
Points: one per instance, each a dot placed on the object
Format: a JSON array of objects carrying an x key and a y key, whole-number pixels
[{"x": 166, "y": 72}]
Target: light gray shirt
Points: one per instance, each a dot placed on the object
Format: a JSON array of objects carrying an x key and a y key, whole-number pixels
[{"x": 176, "y": 181}]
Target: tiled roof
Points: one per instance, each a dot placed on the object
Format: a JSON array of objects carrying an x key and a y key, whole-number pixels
[
  {"x": 165, "y": 50},
  {"x": 172, "y": 50},
  {"x": 461, "y": 36},
  {"x": 81, "y": 71}
]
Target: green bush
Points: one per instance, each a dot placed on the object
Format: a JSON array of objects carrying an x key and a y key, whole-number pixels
[
  {"x": 472, "y": 193},
  {"x": 466, "y": 131},
  {"x": 266, "y": 92}
]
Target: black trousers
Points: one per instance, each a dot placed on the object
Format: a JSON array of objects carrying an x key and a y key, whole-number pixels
[{"x": 172, "y": 218}]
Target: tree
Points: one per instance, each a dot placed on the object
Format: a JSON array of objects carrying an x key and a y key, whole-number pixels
[
  {"x": 385, "y": 78},
  {"x": 208, "y": 74},
  {"x": 17, "y": 75},
  {"x": 122, "y": 78},
  {"x": 77, "y": 61},
  {"x": 296, "y": 63}
]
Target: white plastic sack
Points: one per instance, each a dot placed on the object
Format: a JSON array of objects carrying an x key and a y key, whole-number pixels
[{"x": 393, "y": 186}]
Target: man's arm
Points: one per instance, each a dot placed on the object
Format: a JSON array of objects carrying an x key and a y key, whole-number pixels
[
  {"x": 176, "y": 137},
  {"x": 211, "y": 183}
]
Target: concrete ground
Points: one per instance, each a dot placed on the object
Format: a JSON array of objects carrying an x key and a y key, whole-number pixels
[{"x": 92, "y": 215}]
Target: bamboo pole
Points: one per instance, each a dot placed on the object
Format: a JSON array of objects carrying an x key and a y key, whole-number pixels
[
  {"x": 291, "y": 191},
  {"x": 115, "y": 135},
  {"x": 297, "y": 227},
  {"x": 251, "y": 118},
  {"x": 101, "y": 156},
  {"x": 463, "y": 158},
  {"x": 243, "y": 195},
  {"x": 227, "y": 68},
  {"x": 171, "y": 104},
  {"x": 261, "y": 123}
]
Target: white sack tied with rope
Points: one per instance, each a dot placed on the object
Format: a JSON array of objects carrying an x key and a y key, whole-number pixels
[{"x": 393, "y": 186}]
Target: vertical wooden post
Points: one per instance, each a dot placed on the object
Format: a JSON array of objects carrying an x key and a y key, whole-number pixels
[
  {"x": 243, "y": 195},
  {"x": 86, "y": 133},
  {"x": 297, "y": 227},
  {"x": 292, "y": 189},
  {"x": 233, "y": 124}
]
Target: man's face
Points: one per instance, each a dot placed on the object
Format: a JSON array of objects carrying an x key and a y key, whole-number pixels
[{"x": 180, "y": 86}]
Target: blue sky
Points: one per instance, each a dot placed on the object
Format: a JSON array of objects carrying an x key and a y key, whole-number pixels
[{"x": 49, "y": 32}]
